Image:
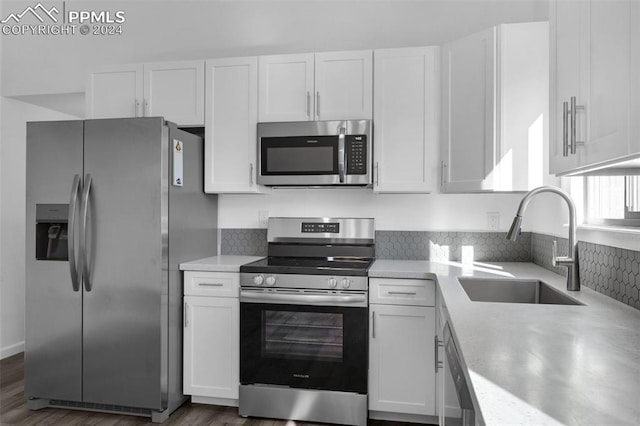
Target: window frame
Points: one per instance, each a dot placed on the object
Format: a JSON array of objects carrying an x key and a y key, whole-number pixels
[{"x": 631, "y": 218}]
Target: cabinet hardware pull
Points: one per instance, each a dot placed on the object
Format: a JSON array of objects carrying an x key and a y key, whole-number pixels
[
  {"x": 435, "y": 351},
  {"x": 145, "y": 108},
  {"x": 250, "y": 174},
  {"x": 186, "y": 316},
  {"x": 136, "y": 106},
  {"x": 377, "y": 174},
  {"x": 565, "y": 129},
  {"x": 318, "y": 104},
  {"x": 443, "y": 175},
  {"x": 308, "y": 104},
  {"x": 403, "y": 293},
  {"x": 211, "y": 284},
  {"x": 373, "y": 325},
  {"x": 574, "y": 113}
]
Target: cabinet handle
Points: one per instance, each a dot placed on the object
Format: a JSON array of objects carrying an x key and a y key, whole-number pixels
[
  {"x": 565, "y": 129},
  {"x": 210, "y": 284},
  {"x": 377, "y": 174},
  {"x": 403, "y": 293},
  {"x": 145, "y": 108},
  {"x": 574, "y": 113},
  {"x": 318, "y": 104},
  {"x": 443, "y": 175},
  {"x": 308, "y": 104},
  {"x": 136, "y": 106},
  {"x": 250, "y": 174},
  {"x": 186, "y": 316},
  {"x": 436, "y": 345},
  {"x": 373, "y": 325}
]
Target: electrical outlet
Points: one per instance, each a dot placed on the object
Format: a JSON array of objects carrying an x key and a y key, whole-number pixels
[
  {"x": 263, "y": 218},
  {"x": 493, "y": 221}
]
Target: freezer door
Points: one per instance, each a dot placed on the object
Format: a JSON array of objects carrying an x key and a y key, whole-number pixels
[
  {"x": 125, "y": 280},
  {"x": 53, "y": 320}
]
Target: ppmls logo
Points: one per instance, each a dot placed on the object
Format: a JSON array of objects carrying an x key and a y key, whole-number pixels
[
  {"x": 38, "y": 11},
  {"x": 42, "y": 20}
]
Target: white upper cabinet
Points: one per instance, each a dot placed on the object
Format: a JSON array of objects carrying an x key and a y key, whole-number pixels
[
  {"x": 406, "y": 101},
  {"x": 634, "y": 49},
  {"x": 230, "y": 125},
  {"x": 286, "y": 88},
  {"x": 115, "y": 91},
  {"x": 321, "y": 86},
  {"x": 594, "y": 47},
  {"x": 344, "y": 85},
  {"x": 494, "y": 109},
  {"x": 173, "y": 90}
]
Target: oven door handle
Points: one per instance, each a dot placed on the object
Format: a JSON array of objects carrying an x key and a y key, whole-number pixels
[{"x": 304, "y": 299}]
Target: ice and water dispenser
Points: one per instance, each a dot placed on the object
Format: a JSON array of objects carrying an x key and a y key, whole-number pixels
[{"x": 51, "y": 231}]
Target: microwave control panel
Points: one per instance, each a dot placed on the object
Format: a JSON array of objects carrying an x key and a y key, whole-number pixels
[{"x": 356, "y": 146}]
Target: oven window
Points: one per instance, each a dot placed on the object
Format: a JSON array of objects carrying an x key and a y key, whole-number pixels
[
  {"x": 302, "y": 335},
  {"x": 307, "y": 159}
]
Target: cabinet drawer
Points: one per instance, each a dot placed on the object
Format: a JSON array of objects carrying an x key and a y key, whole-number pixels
[
  {"x": 219, "y": 284},
  {"x": 399, "y": 291}
]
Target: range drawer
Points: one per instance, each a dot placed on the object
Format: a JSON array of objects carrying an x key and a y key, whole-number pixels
[
  {"x": 218, "y": 284},
  {"x": 401, "y": 291}
]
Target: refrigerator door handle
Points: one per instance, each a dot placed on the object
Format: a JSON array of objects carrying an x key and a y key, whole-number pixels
[
  {"x": 84, "y": 210},
  {"x": 73, "y": 206}
]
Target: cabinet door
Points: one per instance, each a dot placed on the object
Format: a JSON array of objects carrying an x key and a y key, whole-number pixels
[
  {"x": 401, "y": 359},
  {"x": 343, "y": 84},
  {"x": 566, "y": 80},
  {"x": 115, "y": 92},
  {"x": 175, "y": 91},
  {"x": 211, "y": 346},
  {"x": 406, "y": 99},
  {"x": 230, "y": 136},
  {"x": 468, "y": 131},
  {"x": 607, "y": 105},
  {"x": 634, "y": 50},
  {"x": 286, "y": 88}
]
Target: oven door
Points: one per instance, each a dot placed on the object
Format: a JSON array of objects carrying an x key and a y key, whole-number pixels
[{"x": 307, "y": 346}]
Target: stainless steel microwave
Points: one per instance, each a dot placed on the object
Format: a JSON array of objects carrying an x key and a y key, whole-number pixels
[{"x": 315, "y": 153}]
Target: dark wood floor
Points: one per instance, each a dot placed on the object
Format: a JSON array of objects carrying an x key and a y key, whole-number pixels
[{"x": 13, "y": 409}]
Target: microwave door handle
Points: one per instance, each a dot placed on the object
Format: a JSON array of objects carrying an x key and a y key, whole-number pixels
[{"x": 342, "y": 157}]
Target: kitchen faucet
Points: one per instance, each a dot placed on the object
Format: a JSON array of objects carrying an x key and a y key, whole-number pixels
[{"x": 570, "y": 261}]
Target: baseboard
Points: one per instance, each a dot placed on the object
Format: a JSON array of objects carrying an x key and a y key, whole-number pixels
[
  {"x": 12, "y": 350},
  {"x": 401, "y": 417},
  {"x": 227, "y": 402}
]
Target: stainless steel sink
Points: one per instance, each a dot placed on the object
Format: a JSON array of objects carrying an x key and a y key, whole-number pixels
[{"x": 514, "y": 291}]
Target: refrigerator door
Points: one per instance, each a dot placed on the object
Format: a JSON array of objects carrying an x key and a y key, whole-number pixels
[
  {"x": 53, "y": 330},
  {"x": 125, "y": 310}
]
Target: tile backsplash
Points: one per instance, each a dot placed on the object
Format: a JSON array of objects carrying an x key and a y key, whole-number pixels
[
  {"x": 455, "y": 246},
  {"x": 611, "y": 271}
]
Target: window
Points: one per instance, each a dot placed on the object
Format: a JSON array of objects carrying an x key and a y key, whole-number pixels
[{"x": 612, "y": 200}]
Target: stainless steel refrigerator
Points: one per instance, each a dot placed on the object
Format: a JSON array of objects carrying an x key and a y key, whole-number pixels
[{"x": 113, "y": 206}]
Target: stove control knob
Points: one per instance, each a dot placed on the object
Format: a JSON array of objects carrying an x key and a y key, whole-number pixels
[
  {"x": 271, "y": 280},
  {"x": 346, "y": 283},
  {"x": 258, "y": 280},
  {"x": 333, "y": 282}
]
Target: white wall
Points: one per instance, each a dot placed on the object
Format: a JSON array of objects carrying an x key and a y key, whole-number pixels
[
  {"x": 12, "y": 217},
  {"x": 432, "y": 212}
]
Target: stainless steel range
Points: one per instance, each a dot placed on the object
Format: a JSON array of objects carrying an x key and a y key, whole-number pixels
[{"x": 304, "y": 322}]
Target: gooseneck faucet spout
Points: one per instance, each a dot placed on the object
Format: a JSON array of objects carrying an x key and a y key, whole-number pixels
[{"x": 571, "y": 260}]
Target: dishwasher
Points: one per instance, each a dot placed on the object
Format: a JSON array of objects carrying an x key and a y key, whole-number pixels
[{"x": 466, "y": 415}]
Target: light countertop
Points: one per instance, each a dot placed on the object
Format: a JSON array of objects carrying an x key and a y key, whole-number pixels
[
  {"x": 539, "y": 364},
  {"x": 222, "y": 263}
]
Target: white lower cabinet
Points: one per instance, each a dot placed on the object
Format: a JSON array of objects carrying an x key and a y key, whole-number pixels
[
  {"x": 402, "y": 377},
  {"x": 211, "y": 338}
]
